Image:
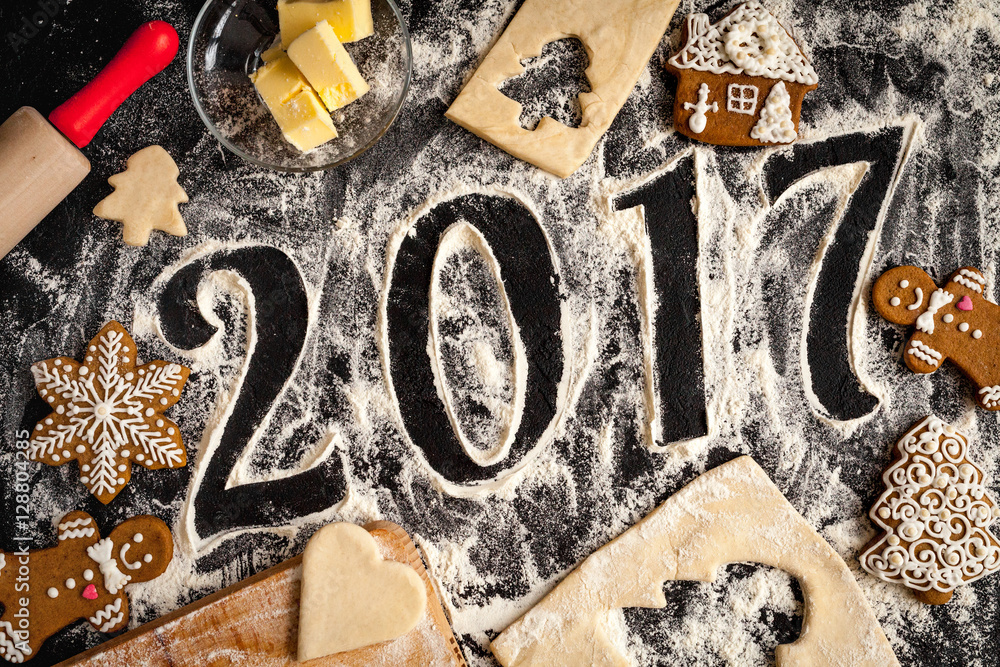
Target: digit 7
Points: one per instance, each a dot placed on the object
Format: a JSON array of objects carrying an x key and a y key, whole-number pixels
[{"x": 836, "y": 393}]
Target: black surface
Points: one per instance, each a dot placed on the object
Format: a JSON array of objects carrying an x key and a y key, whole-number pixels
[{"x": 555, "y": 523}]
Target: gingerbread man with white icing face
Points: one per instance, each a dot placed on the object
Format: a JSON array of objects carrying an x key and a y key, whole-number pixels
[
  {"x": 82, "y": 577},
  {"x": 952, "y": 322}
]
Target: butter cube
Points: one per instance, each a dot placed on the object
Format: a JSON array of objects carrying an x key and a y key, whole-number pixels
[
  {"x": 278, "y": 80},
  {"x": 350, "y": 19},
  {"x": 272, "y": 54},
  {"x": 305, "y": 122},
  {"x": 303, "y": 119},
  {"x": 327, "y": 66}
]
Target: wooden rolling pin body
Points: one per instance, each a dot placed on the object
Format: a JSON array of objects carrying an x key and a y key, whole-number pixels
[
  {"x": 39, "y": 167},
  {"x": 40, "y": 161}
]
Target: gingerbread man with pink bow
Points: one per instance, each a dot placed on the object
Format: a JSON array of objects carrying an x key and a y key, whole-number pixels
[
  {"x": 82, "y": 577},
  {"x": 952, "y": 322}
]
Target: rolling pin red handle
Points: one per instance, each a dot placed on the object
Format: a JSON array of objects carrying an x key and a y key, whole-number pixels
[{"x": 146, "y": 53}]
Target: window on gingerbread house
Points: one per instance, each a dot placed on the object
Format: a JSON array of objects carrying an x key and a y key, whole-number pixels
[{"x": 741, "y": 99}]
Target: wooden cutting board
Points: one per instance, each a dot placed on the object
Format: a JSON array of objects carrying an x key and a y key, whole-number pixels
[{"x": 255, "y": 623}]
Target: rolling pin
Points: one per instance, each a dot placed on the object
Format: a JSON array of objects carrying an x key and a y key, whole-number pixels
[{"x": 40, "y": 160}]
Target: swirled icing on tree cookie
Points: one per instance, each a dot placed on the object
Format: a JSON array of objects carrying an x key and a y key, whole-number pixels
[{"x": 935, "y": 514}]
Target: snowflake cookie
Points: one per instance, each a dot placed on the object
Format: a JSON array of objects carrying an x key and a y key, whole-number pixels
[
  {"x": 934, "y": 514},
  {"x": 108, "y": 412}
]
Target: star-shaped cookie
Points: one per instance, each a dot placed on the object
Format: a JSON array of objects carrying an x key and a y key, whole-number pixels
[
  {"x": 108, "y": 412},
  {"x": 146, "y": 197}
]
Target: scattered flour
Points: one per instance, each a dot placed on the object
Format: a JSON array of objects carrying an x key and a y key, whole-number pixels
[{"x": 495, "y": 549}]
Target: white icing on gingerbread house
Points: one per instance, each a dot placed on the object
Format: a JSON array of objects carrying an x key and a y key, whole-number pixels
[{"x": 753, "y": 69}]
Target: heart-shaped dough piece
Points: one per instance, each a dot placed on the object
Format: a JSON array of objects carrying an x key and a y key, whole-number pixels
[{"x": 351, "y": 597}]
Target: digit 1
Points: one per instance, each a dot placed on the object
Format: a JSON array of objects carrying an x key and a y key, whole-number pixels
[{"x": 676, "y": 408}]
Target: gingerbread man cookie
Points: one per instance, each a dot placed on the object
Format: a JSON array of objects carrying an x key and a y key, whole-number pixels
[
  {"x": 108, "y": 412},
  {"x": 83, "y": 576},
  {"x": 952, "y": 322}
]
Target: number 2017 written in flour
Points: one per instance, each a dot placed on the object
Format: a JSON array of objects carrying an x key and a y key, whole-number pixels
[{"x": 511, "y": 242}]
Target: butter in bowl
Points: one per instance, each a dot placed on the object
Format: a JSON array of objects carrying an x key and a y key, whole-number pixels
[
  {"x": 311, "y": 74},
  {"x": 299, "y": 85}
]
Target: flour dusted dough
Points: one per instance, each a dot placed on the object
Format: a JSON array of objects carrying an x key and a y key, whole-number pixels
[
  {"x": 146, "y": 197},
  {"x": 351, "y": 597},
  {"x": 733, "y": 513},
  {"x": 620, "y": 38}
]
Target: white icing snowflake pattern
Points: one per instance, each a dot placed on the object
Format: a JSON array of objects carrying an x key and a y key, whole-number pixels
[
  {"x": 935, "y": 512},
  {"x": 107, "y": 412}
]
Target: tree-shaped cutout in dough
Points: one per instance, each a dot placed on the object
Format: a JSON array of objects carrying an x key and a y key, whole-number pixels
[
  {"x": 731, "y": 514},
  {"x": 146, "y": 197},
  {"x": 620, "y": 38},
  {"x": 935, "y": 516},
  {"x": 551, "y": 84},
  {"x": 747, "y": 611}
]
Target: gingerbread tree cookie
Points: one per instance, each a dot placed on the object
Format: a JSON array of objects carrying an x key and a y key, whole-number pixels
[
  {"x": 146, "y": 197},
  {"x": 935, "y": 515},
  {"x": 741, "y": 81},
  {"x": 83, "y": 576},
  {"x": 952, "y": 322},
  {"x": 108, "y": 412}
]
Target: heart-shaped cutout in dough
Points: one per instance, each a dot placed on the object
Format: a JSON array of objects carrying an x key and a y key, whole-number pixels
[{"x": 351, "y": 597}]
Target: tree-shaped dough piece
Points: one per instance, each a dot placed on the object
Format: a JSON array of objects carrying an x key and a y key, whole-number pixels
[
  {"x": 935, "y": 515},
  {"x": 146, "y": 197},
  {"x": 775, "y": 125}
]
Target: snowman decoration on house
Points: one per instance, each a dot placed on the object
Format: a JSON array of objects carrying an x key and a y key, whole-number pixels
[{"x": 741, "y": 81}]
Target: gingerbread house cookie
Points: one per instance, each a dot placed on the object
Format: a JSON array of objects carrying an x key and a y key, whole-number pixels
[
  {"x": 741, "y": 81},
  {"x": 954, "y": 322}
]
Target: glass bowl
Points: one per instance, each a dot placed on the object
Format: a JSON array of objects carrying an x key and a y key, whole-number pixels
[{"x": 226, "y": 44}]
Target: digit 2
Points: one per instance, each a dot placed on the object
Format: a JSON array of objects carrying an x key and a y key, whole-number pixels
[{"x": 281, "y": 323}]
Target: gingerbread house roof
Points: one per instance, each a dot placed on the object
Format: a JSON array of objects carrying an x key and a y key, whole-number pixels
[{"x": 750, "y": 41}]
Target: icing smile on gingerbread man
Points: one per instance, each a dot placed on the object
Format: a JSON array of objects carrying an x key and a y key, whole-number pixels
[
  {"x": 82, "y": 577},
  {"x": 952, "y": 322}
]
